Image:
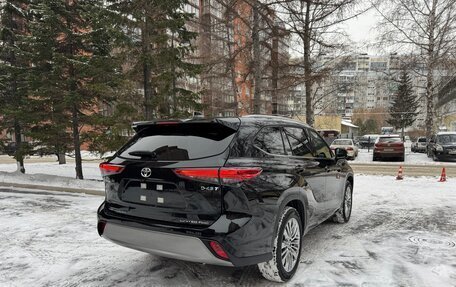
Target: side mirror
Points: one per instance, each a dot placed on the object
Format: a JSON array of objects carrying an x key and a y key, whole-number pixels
[{"x": 340, "y": 153}]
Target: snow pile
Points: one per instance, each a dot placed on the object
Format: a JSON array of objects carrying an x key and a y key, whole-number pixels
[
  {"x": 50, "y": 180},
  {"x": 90, "y": 170}
]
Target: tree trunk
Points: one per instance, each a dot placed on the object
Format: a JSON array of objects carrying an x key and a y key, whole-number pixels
[
  {"x": 430, "y": 75},
  {"x": 256, "y": 57},
  {"x": 147, "y": 72},
  {"x": 76, "y": 142},
  {"x": 19, "y": 153},
  {"x": 308, "y": 82},
  {"x": 61, "y": 157},
  {"x": 231, "y": 64},
  {"x": 275, "y": 69}
]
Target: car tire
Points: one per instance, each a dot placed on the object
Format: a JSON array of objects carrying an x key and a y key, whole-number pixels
[
  {"x": 344, "y": 213},
  {"x": 434, "y": 157},
  {"x": 288, "y": 240}
]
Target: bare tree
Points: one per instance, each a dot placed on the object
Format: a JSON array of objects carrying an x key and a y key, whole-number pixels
[
  {"x": 426, "y": 28},
  {"x": 315, "y": 24}
]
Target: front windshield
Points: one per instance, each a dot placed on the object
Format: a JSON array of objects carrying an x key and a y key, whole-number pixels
[
  {"x": 445, "y": 139},
  {"x": 342, "y": 142}
]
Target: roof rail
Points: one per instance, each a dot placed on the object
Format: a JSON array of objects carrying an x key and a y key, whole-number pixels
[{"x": 267, "y": 116}]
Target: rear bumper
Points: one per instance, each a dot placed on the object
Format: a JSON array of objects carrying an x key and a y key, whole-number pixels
[
  {"x": 388, "y": 154},
  {"x": 445, "y": 155},
  {"x": 247, "y": 245},
  {"x": 169, "y": 245}
]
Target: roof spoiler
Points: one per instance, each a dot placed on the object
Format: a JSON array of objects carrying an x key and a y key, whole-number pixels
[{"x": 233, "y": 123}]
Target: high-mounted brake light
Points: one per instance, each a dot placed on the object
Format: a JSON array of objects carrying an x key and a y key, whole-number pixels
[
  {"x": 167, "y": 123},
  {"x": 110, "y": 169},
  {"x": 225, "y": 174}
]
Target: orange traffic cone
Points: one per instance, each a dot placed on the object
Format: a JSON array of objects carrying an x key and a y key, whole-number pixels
[
  {"x": 443, "y": 176},
  {"x": 399, "y": 174}
]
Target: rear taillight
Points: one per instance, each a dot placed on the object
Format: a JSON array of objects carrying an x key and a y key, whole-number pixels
[
  {"x": 224, "y": 174},
  {"x": 349, "y": 148},
  {"x": 217, "y": 248},
  {"x": 110, "y": 169}
]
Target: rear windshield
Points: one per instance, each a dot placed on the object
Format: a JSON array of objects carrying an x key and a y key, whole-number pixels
[
  {"x": 450, "y": 138},
  {"x": 179, "y": 142},
  {"x": 422, "y": 140},
  {"x": 342, "y": 142},
  {"x": 389, "y": 140}
]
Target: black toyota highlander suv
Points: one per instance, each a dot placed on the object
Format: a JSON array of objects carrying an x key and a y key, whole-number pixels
[{"x": 224, "y": 191}]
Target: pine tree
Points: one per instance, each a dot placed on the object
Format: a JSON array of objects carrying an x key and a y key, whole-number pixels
[
  {"x": 74, "y": 70},
  {"x": 403, "y": 110},
  {"x": 158, "y": 47},
  {"x": 13, "y": 74}
]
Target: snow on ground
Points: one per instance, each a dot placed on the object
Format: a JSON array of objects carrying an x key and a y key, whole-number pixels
[
  {"x": 90, "y": 170},
  {"x": 49, "y": 180},
  {"x": 365, "y": 157},
  {"x": 402, "y": 233}
]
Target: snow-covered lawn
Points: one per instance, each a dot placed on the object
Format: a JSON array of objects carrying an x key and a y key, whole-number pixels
[
  {"x": 90, "y": 170},
  {"x": 365, "y": 157},
  {"x": 49, "y": 165},
  {"x": 402, "y": 233}
]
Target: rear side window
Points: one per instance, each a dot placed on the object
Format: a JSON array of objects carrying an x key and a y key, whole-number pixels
[
  {"x": 322, "y": 149},
  {"x": 185, "y": 141},
  {"x": 269, "y": 139},
  {"x": 389, "y": 140},
  {"x": 298, "y": 142}
]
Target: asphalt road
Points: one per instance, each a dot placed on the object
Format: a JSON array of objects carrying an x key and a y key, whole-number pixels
[{"x": 408, "y": 169}]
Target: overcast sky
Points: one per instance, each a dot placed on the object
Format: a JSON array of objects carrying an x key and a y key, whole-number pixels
[{"x": 362, "y": 31}]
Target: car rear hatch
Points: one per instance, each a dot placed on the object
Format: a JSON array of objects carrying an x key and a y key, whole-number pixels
[
  {"x": 170, "y": 172},
  {"x": 389, "y": 144}
]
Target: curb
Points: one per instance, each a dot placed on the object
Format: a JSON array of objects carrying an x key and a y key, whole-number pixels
[{"x": 53, "y": 188}]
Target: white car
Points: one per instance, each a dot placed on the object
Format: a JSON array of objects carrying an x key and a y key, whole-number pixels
[{"x": 348, "y": 145}]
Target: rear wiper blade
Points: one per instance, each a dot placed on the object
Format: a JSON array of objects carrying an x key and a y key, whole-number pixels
[{"x": 143, "y": 153}]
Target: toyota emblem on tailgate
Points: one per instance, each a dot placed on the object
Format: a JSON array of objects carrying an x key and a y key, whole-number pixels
[{"x": 146, "y": 172}]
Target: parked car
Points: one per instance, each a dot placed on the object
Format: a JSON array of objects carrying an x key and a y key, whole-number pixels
[
  {"x": 389, "y": 146},
  {"x": 419, "y": 145},
  {"x": 224, "y": 191},
  {"x": 367, "y": 141},
  {"x": 442, "y": 146},
  {"x": 346, "y": 144}
]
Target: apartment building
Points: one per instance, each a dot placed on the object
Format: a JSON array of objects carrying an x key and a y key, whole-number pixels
[{"x": 224, "y": 48}]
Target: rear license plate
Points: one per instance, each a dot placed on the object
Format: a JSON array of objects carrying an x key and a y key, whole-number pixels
[
  {"x": 156, "y": 194},
  {"x": 388, "y": 149}
]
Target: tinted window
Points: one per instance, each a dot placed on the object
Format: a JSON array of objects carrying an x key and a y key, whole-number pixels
[
  {"x": 322, "y": 149},
  {"x": 422, "y": 140},
  {"x": 342, "y": 142},
  {"x": 389, "y": 140},
  {"x": 270, "y": 140},
  {"x": 445, "y": 139},
  {"x": 298, "y": 142},
  {"x": 178, "y": 142}
]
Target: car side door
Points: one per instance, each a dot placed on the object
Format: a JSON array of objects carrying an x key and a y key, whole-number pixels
[
  {"x": 302, "y": 160},
  {"x": 334, "y": 187}
]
